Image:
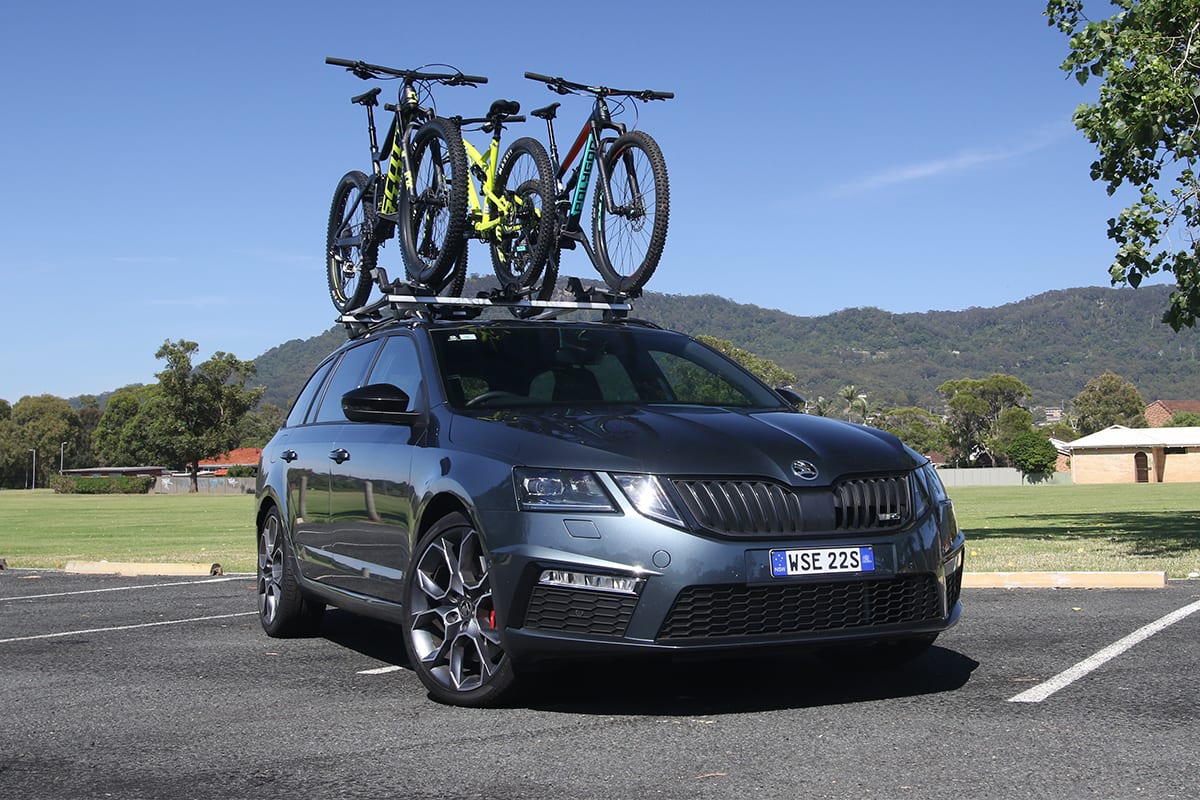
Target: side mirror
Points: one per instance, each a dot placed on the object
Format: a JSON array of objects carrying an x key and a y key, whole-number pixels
[
  {"x": 380, "y": 403},
  {"x": 792, "y": 397}
]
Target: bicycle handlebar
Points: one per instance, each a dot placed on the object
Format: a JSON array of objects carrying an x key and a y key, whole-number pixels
[
  {"x": 564, "y": 86},
  {"x": 367, "y": 71}
]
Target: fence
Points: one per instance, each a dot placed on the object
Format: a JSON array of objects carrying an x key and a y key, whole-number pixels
[
  {"x": 998, "y": 476},
  {"x": 208, "y": 484}
]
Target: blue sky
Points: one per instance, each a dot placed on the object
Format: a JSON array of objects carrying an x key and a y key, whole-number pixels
[{"x": 168, "y": 167}]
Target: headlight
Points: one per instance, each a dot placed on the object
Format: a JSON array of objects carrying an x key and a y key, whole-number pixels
[
  {"x": 559, "y": 490},
  {"x": 647, "y": 496}
]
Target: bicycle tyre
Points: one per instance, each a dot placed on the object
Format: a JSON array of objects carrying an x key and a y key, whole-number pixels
[
  {"x": 432, "y": 219},
  {"x": 350, "y": 249},
  {"x": 629, "y": 245},
  {"x": 521, "y": 243}
]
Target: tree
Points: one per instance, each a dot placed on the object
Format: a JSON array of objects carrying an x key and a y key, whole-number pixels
[
  {"x": 1184, "y": 419},
  {"x": 43, "y": 423},
  {"x": 1106, "y": 400},
  {"x": 1146, "y": 128},
  {"x": 767, "y": 370},
  {"x": 1032, "y": 453},
  {"x": 916, "y": 427},
  {"x": 131, "y": 432},
  {"x": 202, "y": 407},
  {"x": 975, "y": 430}
]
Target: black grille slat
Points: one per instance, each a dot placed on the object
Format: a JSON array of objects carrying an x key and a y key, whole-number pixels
[
  {"x": 742, "y": 507},
  {"x": 868, "y": 503},
  {"x": 555, "y": 608},
  {"x": 737, "y": 610}
]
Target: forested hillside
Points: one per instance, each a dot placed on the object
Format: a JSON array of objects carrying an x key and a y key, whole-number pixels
[{"x": 1054, "y": 342}]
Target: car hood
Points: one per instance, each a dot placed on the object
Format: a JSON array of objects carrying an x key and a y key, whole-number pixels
[{"x": 679, "y": 440}]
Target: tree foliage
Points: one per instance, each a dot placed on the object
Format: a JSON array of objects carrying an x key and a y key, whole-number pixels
[
  {"x": 202, "y": 407},
  {"x": 916, "y": 427},
  {"x": 1106, "y": 400},
  {"x": 767, "y": 371},
  {"x": 1184, "y": 419},
  {"x": 1032, "y": 453},
  {"x": 984, "y": 415},
  {"x": 1146, "y": 129}
]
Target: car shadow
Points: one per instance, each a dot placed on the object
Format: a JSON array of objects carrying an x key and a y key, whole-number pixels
[
  {"x": 751, "y": 682},
  {"x": 765, "y": 680}
]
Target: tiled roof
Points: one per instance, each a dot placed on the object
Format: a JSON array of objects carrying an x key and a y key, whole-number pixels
[{"x": 243, "y": 456}]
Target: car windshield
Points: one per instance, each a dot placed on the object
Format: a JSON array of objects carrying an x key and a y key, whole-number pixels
[{"x": 489, "y": 366}]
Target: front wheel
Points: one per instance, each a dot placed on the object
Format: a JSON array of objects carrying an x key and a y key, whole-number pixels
[
  {"x": 450, "y": 628},
  {"x": 629, "y": 237},
  {"x": 521, "y": 243},
  {"x": 350, "y": 249},
  {"x": 433, "y": 216}
]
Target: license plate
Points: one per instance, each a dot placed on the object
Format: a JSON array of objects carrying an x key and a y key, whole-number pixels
[{"x": 821, "y": 560}]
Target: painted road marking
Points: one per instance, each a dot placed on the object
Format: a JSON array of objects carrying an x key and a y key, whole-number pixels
[
  {"x": 379, "y": 670},
  {"x": 1065, "y": 678},
  {"x": 123, "y": 588},
  {"x": 125, "y": 627}
]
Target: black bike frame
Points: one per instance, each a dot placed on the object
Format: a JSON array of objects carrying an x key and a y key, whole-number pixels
[{"x": 589, "y": 142}]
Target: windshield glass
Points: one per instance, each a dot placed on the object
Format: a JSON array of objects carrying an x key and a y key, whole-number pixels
[{"x": 541, "y": 364}]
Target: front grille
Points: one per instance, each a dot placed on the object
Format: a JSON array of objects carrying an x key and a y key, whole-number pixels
[
  {"x": 554, "y": 608},
  {"x": 739, "y": 507},
  {"x": 737, "y": 610},
  {"x": 871, "y": 503},
  {"x": 953, "y": 587}
]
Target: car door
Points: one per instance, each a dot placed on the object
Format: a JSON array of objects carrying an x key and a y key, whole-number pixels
[
  {"x": 373, "y": 498},
  {"x": 315, "y": 446}
]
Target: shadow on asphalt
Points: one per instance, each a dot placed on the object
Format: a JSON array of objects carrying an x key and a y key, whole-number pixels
[{"x": 758, "y": 680}]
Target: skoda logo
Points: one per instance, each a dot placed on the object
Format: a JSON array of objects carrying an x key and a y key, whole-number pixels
[{"x": 805, "y": 469}]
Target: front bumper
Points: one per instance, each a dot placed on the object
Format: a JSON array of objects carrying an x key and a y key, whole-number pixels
[{"x": 706, "y": 594}]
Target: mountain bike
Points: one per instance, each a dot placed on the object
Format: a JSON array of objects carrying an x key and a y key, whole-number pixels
[
  {"x": 422, "y": 193},
  {"x": 512, "y": 210},
  {"x": 631, "y": 206}
]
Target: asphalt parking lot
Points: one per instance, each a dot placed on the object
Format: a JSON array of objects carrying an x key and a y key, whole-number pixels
[{"x": 166, "y": 687}]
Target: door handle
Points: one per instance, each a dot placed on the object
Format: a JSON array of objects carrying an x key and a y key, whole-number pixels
[
  {"x": 339, "y": 455},
  {"x": 289, "y": 456}
]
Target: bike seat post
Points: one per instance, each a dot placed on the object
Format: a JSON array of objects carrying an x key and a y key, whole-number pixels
[{"x": 374, "y": 138}]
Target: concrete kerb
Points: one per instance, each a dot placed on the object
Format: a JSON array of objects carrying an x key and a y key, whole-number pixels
[{"x": 131, "y": 568}]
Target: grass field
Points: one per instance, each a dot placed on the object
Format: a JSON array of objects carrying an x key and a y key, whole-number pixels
[{"x": 1052, "y": 527}]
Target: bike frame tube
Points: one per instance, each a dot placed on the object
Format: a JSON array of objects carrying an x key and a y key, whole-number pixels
[{"x": 482, "y": 218}]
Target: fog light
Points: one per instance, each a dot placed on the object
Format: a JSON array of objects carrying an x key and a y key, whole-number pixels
[{"x": 588, "y": 580}]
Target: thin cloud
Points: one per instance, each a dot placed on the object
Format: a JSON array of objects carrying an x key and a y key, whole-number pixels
[{"x": 964, "y": 161}]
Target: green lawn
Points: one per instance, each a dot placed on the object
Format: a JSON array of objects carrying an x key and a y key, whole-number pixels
[
  {"x": 1053, "y": 527},
  {"x": 43, "y": 529},
  {"x": 1064, "y": 527}
]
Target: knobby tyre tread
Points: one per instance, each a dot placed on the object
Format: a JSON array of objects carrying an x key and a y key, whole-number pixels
[
  {"x": 350, "y": 249},
  {"x": 433, "y": 218},
  {"x": 628, "y": 246},
  {"x": 523, "y": 241}
]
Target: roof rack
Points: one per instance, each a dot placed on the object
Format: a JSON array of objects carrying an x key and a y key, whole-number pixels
[{"x": 405, "y": 301}]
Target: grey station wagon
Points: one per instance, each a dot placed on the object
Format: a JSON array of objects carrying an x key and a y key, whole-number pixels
[{"x": 516, "y": 491}]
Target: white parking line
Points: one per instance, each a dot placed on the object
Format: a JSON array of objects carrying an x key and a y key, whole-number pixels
[
  {"x": 1065, "y": 678},
  {"x": 125, "y": 627},
  {"x": 380, "y": 670},
  {"x": 122, "y": 588}
]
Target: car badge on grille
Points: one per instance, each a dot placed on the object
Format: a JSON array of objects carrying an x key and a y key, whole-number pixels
[{"x": 805, "y": 470}]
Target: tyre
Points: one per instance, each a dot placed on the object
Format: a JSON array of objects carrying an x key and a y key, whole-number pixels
[
  {"x": 350, "y": 251},
  {"x": 283, "y": 609},
  {"x": 629, "y": 241},
  {"x": 522, "y": 242},
  {"x": 450, "y": 625},
  {"x": 433, "y": 216}
]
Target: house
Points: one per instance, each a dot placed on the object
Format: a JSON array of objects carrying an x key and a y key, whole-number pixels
[
  {"x": 241, "y": 457},
  {"x": 116, "y": 472},
  {"x": 1159, "y": 412},
  {"x": 1137, "y": 455}
]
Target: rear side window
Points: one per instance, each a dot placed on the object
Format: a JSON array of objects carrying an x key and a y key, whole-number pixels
[
  {"x": 347, "y": 375},
  {"x": 304, "y": 401}
]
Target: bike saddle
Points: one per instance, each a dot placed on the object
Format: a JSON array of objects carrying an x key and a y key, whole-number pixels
[
  {"x": 504, "y": 108},
  {"x": 547, "y": 113}
]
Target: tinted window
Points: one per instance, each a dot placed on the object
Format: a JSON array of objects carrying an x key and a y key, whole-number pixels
[
  {"x": 398, "y": 365},
  {"x": 348, "y": 375},
  {"x": 301, "y": 406},
  {"x": 585, "y": 365}
]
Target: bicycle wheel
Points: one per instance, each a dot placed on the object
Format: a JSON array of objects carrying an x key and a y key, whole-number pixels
[
  {"x": 433, "y": 217},
  {"x": 629, "y": 241},
  {"x": 350, "y": 251},
  {"x": 522, "y": 242}
]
